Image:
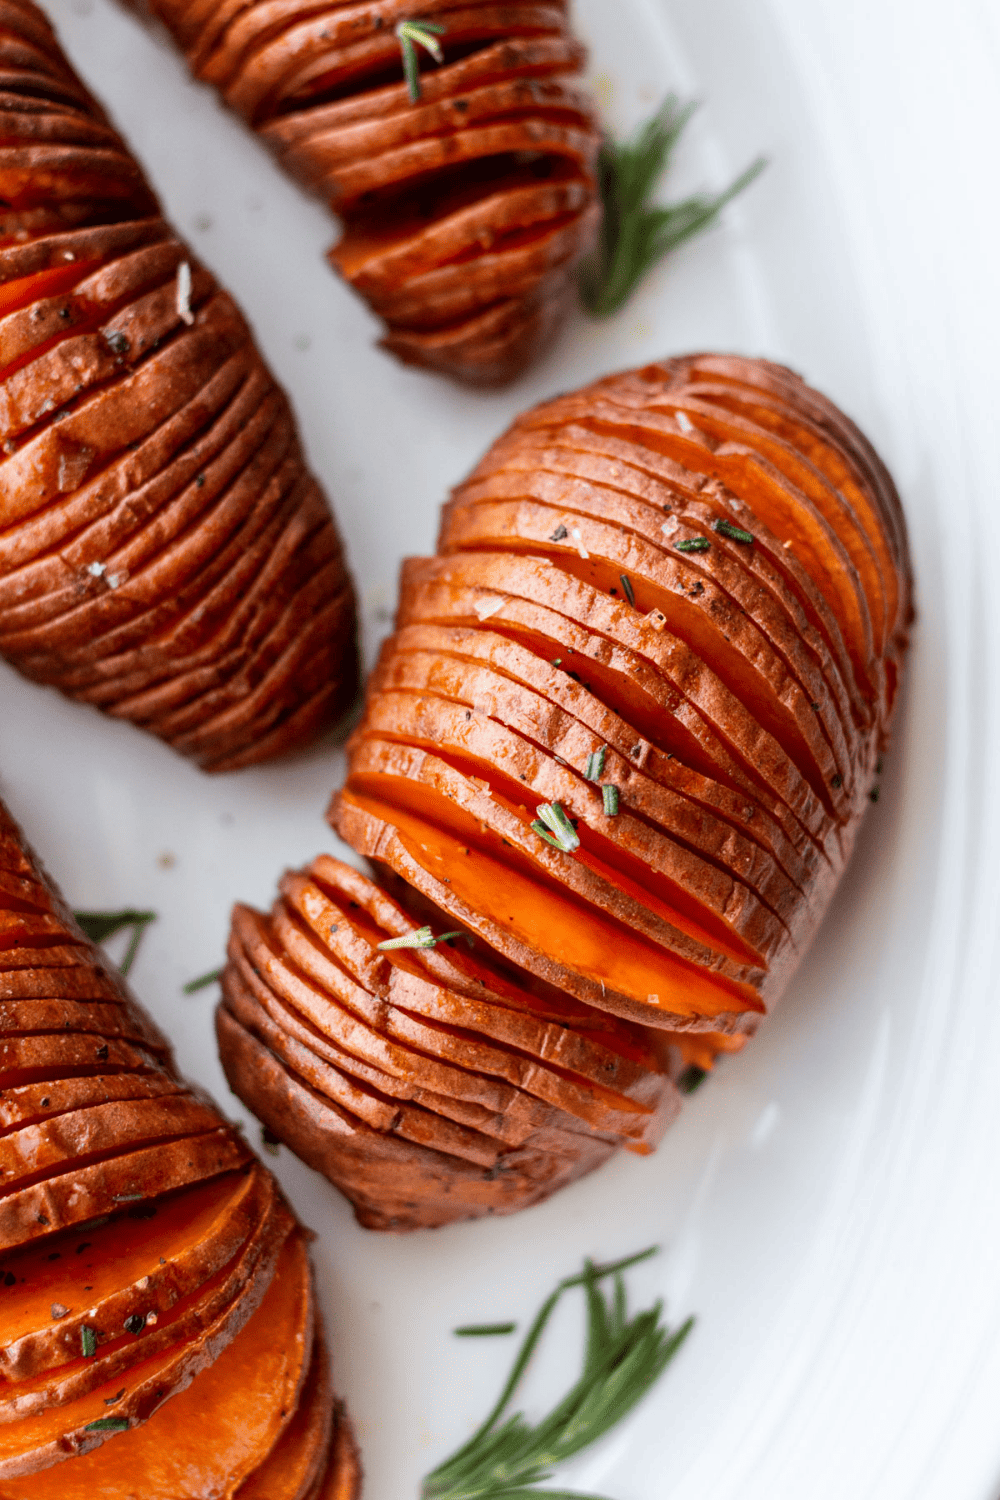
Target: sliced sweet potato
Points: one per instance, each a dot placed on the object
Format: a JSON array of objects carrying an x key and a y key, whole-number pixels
[
  {"x": 465, "y": 212},
  {"x": 342, "y": 1480},
  {"x": 393, "y": 1184},
  {"x": 139, "y": 1241},
  {"x": 494, "y": 1114},
  {"x": 155, "y": 498},
  {"x": 645, "y": 677},
  {"x": 622, "y": 738},
  {"x": 249, "y": 1366},
  {"x": 128, "y": 1266},
  {"x": 122, "y": 1347},
  {"x": 297, "y": 1462},
  {"x": 431, "y": 791},
  {"x": 707, "y": 861}
]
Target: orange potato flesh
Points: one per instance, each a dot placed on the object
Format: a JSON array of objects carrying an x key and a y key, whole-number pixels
[
  {"x": 466, "y": 212},
  {"x": 209, "y": 1436},
  {"x": 143, "y": 1248}
]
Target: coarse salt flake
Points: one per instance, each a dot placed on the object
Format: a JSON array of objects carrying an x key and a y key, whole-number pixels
[
  {"x": 484, "y": 608},
  {"x": 575, "y": 534},
  {"x": 683, "y": 421},
  {"x": 184, "y": 293}
]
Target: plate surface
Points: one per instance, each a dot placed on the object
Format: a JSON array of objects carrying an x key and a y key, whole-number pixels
[{"x": 829, "y": 1206}]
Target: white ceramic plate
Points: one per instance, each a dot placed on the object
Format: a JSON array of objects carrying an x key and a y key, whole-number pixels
[{"x": 828, "y": 1207}]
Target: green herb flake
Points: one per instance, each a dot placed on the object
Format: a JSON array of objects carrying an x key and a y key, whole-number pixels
[
  {"x": 108, "y": 1424},
  {"x": 626, "y": 584},
  {"x": 635, "y": 234},
  {"x": 594, "y": 768},
  {"x": 203, "y": 981},
  {"x": 411, "y": 35},
  {"x": 693, "y": 544},
  {"x": 692, "y": 1078},
  {"x": 734, "y": 533},
  {"x": 507, "y": 1457},
  {"x": 555, "y": 827},
  {"x": 610, "y": 800},
  {"x": 483, "y": 1330},
  {"x": 88, "y": 1342}
]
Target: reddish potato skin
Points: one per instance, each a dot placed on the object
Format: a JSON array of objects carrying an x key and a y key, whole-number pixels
[
  {"x": 689, "y": 583},
  {"x": 140, "y": 1244},
  {"x": 465, "y": 212},
  {"x": 164, "y": 552}
]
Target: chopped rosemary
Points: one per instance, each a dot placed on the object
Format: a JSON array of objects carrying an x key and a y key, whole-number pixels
[
  {"x": 483, "y": 1330},
  {"x": 555, "y": 827},
  {"x": 734, "y": 533},
  {"x": 88, "y": 1342},
  {"x": 610, "y": 794},
  {"x": 422, "y": 938},
  {"x": 100, "y": 925},
  {"x": 626, "y": 584},
  {"x": 594, "y": 768},
  {"x": 414, "y": 34},
  {"x": 203, "y": 981},
  {"x": 693, "y": 544},
  {"x": 508, "y": 1459},
  {"x": 108, "y": 1424},
  {"x": 636, "y": 235},
  {"x": 692, "y": 1078}
]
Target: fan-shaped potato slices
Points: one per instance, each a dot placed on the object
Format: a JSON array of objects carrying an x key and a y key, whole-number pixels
[
  {"x": 466, "y": 210},
  {"x": 160, "y": 530},
  {"x": 142, "y": 1249}
]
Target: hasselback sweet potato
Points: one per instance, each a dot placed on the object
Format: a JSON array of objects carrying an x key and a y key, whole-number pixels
[
  {"x": 159, "y": 1321},
  {"x": 467, "y": 200},
  {"x": 164, "y": 552},
  {"x": 621, "y": 741}
]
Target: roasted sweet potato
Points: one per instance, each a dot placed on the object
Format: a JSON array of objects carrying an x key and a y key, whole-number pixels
[
  {"x": 621, "y": 740},
  {"x": 158, "y": 1308},
  {"x": 465, "y": 209},
  {"x": 165, "y": 554}
]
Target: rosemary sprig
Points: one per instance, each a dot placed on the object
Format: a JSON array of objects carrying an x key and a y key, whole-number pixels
[
  {"x": 422, "y": 938},
  {"x": 636, "y": 235},
  {"x": 506, "y": 1459},
  {"x": 414, "y": 34},
  {"x": 555, "y": 827},
  {"x": 202, "y": 982},
  {"x": 101, "y": 925},
  {"x": 483, "y": 1330}
]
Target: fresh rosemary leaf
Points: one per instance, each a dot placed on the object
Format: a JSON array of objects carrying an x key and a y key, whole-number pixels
[
  {"x": 507, "y": 1457},
  {"x": 414, "y": 34},
  {"x": 108, "y": 1424},
  {"x": 202, "y": 982},
  {"x": 636, "y": 235},
  {"x": 626, "y": 584},
  {"x": 555, "y": 827},
  {"x": 483, "y": 1330},
  {"x": 734, "y": 533},
  {"x": 100, "y": 925},
  {"x": 693, "y": 544},
  {"x": 88, "y": 1342},
  {"x": 610, "y": 794},
  {"x": 692, "y": 1078},
  {"x": 422, "y": 938},
  {"x": 594, "y": 768}
]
